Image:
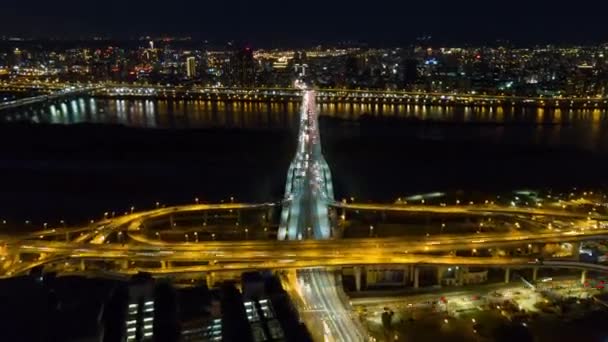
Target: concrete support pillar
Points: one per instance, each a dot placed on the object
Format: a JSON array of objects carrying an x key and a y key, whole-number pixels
[
  {"x": 205, "y": 216},
  {"x": 439, "y": 275},
  {"x": 164, "y": 264},
  {"x": 507, "y": 275},
  {"x": 210, "y": 278},
  {"x": 576, "y": 246},
  {"x": 534, "y": 273},
  {"x": 124, "y": 264},
  {"x": 416, "y": 277},
  {"x": 583, "y": 276},
  {"x": 536, "y": 248},
  {"x": 411, "y": 273},
  {"x": 238, "y": 216},
  {"x": 83, "y": 266},
  {"x": 405, "y": 274},
  {"x": 67, "y": 237},
  {"x": 269, "y": 215},
  {"x": 171, "y": 222},
  {"x": 357, "y": 271}
]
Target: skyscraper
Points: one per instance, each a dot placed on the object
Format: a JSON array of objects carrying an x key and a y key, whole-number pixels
[
  {"x": 410, "y": 72},
  {"x": 191, "y": 67},
  {"x": 129, "y": 314},
  {"x": 243, "y": 68},
  {"x": 140, "y": 311},
  {"x": 17, "y": 57}
]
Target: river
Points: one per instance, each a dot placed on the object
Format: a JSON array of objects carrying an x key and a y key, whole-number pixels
[{"x": 138, "y": 152}]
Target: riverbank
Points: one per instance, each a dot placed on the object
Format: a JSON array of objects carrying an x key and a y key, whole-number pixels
[{"x": 76, "y": 172}]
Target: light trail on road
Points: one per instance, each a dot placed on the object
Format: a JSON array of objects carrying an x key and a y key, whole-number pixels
[
  {"x": 468, "y": 209},
  {"x": 306, "y": 215}
]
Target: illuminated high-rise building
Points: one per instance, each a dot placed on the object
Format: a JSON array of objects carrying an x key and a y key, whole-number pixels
[
  {"x": 17, "y": 57},
  {"x": 140, "y": 311},
  {"x": 191, "y": 67},
  {"x": 129, "y": 314}
]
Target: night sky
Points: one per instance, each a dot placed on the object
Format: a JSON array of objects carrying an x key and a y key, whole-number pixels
[{"x": 274, "y": 22}]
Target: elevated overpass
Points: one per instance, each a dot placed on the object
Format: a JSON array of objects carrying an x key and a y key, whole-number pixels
[
  {"x": 173, "y": 263},
  {"x": 229, "y": 250},
  {"x": 467, "y": 209}
]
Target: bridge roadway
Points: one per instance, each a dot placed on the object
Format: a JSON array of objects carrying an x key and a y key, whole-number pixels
[
  {"x": 114, "y": 89},
  {"x": 56, "y": 94},
  {"x": 305, "y": 215},
  {"x": 308, "y": 188}
]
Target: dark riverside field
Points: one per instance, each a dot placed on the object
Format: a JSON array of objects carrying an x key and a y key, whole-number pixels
[{"x": 77, "y": 172}]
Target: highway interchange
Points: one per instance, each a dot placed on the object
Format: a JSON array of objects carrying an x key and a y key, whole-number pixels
[{"x": 306, "y": 246}]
